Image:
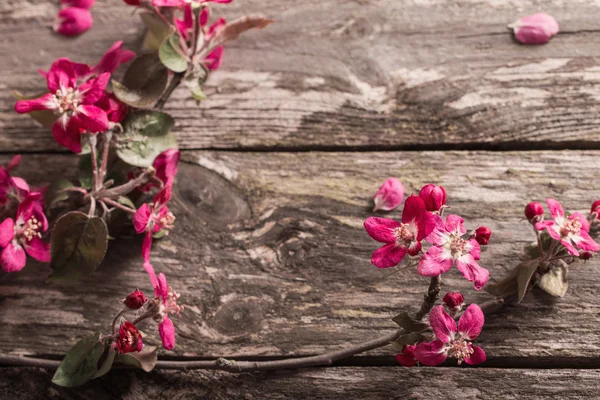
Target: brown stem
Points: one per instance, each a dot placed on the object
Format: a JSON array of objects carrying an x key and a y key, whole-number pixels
[
  {"x": 114, "y": 193},
  {"x": 93, "y": 142},
  {"x": 432, "y": 295},
  {"x": 118, "y": 205},
  {"x": 160, "y": 104},
  {"x": 114, "y": 321},
  {"x": 105, "y": 151}
]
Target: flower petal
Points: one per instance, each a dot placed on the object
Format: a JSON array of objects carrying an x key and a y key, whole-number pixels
[
  {"x": 556, "y": 208},
  {"x": 147, "y": 246},
  {"x": 472, "y": 271},
  {"x": 442, "y": 324},
  {"x": 93, "y": 89},
  {"x": 7, "y": 232},
  {"x": 435, "y": 262},
  {"x": 114, "y": 57},
  {"x": 381, "y": 229},
  {"x": 439, "y": 236},
  {"x": 477, "y": 357},
  {"x": 455, "y": 224},
  {"x": 37, "y": 249},
  {"x": 570, "y": 248},
  {"x": 165, "y": 165},
  {"x": 471, "y": 322},
  {"x": 61, "y": 75},
  {"x": 167, "y": 333},
  {"x": 141, "y": 218},
  {"x": 474, "y": 249},
  {"x": 214, "y": 60},
  {"x": 93, "y": 119},
  {"x": 151, "y": 274},
  {"x": 431, "y": 354},
  {"x": 414, "y": 208},
  {"x": 46, "y": 102},
  {"x": 585, "y": 242},
  {"x": 67, "y": 133},
  {"x": 73, "y": 21},
  {"x": 388, "y": 256},
  {"x": 162, "y": 290},
  {"x": 13, "y": 258},
  {"x": 407, "y": 357}
]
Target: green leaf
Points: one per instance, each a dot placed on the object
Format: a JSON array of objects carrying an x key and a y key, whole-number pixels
[
  {"x": 504, "y": 287},
  {"x": 410, "y": 338},
  {"x": 45, "y": 117},
  {"x": 194, "y": 82},
  {"x": 105, "y": 365},
  {"x": 145, "y": 359},
  {"x": 406, "y": 322},
  {"x": 78, "y": 245},
  {"x": 158, "y": 31},
  {"x": 86, "y": 174},
  {"x": 171, "y": 55},
  {"x": 81, "y": 362},
  {"x": 555, "y": 282},
  {"x": 145, "y": 135},
  {"x": 56, "y": 192},
  {"x": 144, "y": 82},
  {"x": 525, "y": 272}
]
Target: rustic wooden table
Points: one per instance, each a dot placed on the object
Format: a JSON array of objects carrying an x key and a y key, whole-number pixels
[{"x": 307, "y": 118}]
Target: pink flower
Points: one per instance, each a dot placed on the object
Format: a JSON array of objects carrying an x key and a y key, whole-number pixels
[
  {"x": 165, "y": 165},
  {"x": 407, "y": 357},
  {"x": 112, "y": 59},
  {"x": 167, "y": 298},
  {"x": 401, "y": 237},
  {"x": 534, "y": 212},
  {"x": 23, "y": 235},
  {"x": 12, "y": 188},
  {"x": 114, "y": 108},
  {"x": 451, "y": 341},
  {"x": 135, "y": 300},
  {"x": 87, "y": 4},
  {"x": 568, "y": 231},
  {"x": 152, "y": 218},
  {"x": 535, "y": 29},
  {"x": 389, "y": 196},
  {"x": 433, "y": 196},
  {"x": 454, "y": 301},
  {"x": 449, "y": 247},
  {"x": 183, "y": 3},
  {"x": 482, "y": 235},
  {"x": 129, "y": 338},
  {"x": 595, "y": 209},
  {"x": 73, "y": 104},
  {"x": 73, "y": 21}
]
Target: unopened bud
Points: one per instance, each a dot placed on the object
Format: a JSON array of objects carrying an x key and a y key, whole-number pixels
[
  {"x": 535, "y": 29},
  {"x": 135, "y": 300},
  {"x": 483, "y": 235},
  {"x": 585, "y": 255},
  {"x": 534, "y": 212},
  {"x": 433, "y": 196},
  {"x": 595, "y": 211},
  {"x": 454, "y": 301}
]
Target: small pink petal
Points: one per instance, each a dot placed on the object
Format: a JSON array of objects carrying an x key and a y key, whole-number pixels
[
  {"x": 87, "y": 4},
  {"x": 477, "y": 357},
  {"x": 388, "y": 256},
  {"x": 67, "y": 133},
  {"x": 73, "y": 21},
  {"x": 431, "y": 354},
  {"x": 113, "y": 58},
  {"x": 389, "y": 196},
  {"x": 13, "y": 258},
  {"x": 92, "y": 118},
  {"x": 471, "y": 322},
  {"x": 14, "y": 162},
  {"x": 381, "y": 229},
  {"x": 414, "y": 209},
  {"x": 93, "y": 89},
  {"x": 570, "y": 248},
  {"x": 442, "y": 324},
  {"x": 215, "y": 58},
  {"x": 472, "y": 271},
  {"x": 151, "y": 274},
  {"x": 165, "y": 165},
  {"x": 20, "y": 184},
  {"x": 7, "y": 231},
  {"x": 147, "y": 247},
  {"x": 435, "y": 262},
  {"x": 535, "y": 29},
  {"x": 475, "y": 249},
  {"x": 141, "y": 218},
  {"x": 556, "y": 208},
  {"x": 454, "y": 224},
  {"x": 162, "y": 290},
  {"x": 407, "y": 357},
  {"x": 167, "y": 333},
  {"x": 37, "y": 249},
  {"x": 61, "y": 75},
  {"x": 585, "y": 242},
  {"x": 46, "y": 102},
  {"x": 439, "y": 236}
]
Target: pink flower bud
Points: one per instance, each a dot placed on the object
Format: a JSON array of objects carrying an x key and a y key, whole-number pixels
[
  {"x": 389, "y": 196},
  {"x": 596, "y": 208},
  {"x": 585, "y": 255},
  {"x": 73, "y": 21},
  {"x": 535, "y": 29},
  {"x": 407, "y": 357},
  {"x": 87, "y": 4},
  {"x": 135, "y": 300},
  {"x": 482, "y": 235},
  {"x": 129, "y": 338},
  {"x": 132, "y": 2},
  {"x": 454, "y": 300},
  {"x": 433, "y": 196},
  {"x": 534, "y": 212}
]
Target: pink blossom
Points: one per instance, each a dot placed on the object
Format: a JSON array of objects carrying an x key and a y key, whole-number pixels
[
  {"x": 535, "y": 29},
  {"x": 453, "y": 341},
  {"x": 389, "y": 196},
  {"x": 183, "y": 3},
  {"x": 433, "y": 196},
  {"x": 167, "y": 305},
  {"x": 129, "y": 339},
  {"x": 112, "y": 59},
  {"x": 114, "y": 108},
  {"x": 534, "y": 212},
  {"x": 73, "y": 21},
  {"x": 23, "y": 235},
  {"x": 407, "y": 357},
  {"x": 400, "y": 237},
  {"x": 73, "y": 104},
  {"x": 12, "y": 188},
  {"x": 571, "y": 231},
  {"x": 153, "y": 218},
  {"x": 87, "y": 4},
  {"x": 595, "y": 211},
  {"x": 449, "y": 247}
]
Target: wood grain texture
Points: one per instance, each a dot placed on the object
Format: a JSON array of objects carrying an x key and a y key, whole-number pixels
[
  {"x": 351, "y": 74},
  {"x": 323, "y": 384},
  {"x": 271, "y": 258}
]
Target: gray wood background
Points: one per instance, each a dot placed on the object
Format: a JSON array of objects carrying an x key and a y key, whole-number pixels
[{"x": 305, "y": 121}]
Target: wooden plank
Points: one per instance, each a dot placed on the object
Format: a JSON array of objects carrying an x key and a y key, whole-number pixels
[
  {"x": 334, "y": 73},
  {"x": 271, "y": 258},
  {"x": 324, "y": 384}
]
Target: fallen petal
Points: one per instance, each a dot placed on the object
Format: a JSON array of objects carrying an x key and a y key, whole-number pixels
[{"x": 535, "y": 29}]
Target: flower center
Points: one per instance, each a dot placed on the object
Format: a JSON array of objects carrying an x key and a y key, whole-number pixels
[
  {"x": 167, "y": 221},
  {"x": 29, "y": 230},
  {"x": 67, "y": 99},
  {"x": 403, "y": 233},
  {"x": 570, "y": 227},
  {"x": 461, "y": 349},
  {"x": 458, "y": 246}
]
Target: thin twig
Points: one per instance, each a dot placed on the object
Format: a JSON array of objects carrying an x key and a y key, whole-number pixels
[
  {"x": 432, "y": 295},
  {"x": 160, "y": 104},
  {"x": 93, "y": 142},
  {"x": 105, "y": 151},
  {"x": 114, "y": 321},
  {"x": 92, "y": 211},
  {"x": 119, "y": 205}
]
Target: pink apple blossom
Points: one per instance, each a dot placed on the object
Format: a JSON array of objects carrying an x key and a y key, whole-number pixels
[
  {"x": 452, "y": 341},
  {"x": 12, "y": 188},
  {"x": 400, "y": 237},
  {"x": 571, "y": 231},
  {"x": 73, "y": 21},
  {"x": 595, "y": 210},
  {"x": 449, "y": 247},
  {"x": 153, "y": 218},
  {"x": 433, "y": 196},
  {"x": 389, "y": 196},
  {"x": 407, "y": 357},
  {"x": 167, "y": 298},
  {"x": 23, "y": 235},
  {"x": 129, "y": 339},
  {"x": 72, "y": 103}
]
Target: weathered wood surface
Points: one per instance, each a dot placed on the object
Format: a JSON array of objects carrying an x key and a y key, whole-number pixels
[
  {"x": 334, "y": 73},
  {"x": 271, "y": 258},
  {"x": 323, "y": 384}
]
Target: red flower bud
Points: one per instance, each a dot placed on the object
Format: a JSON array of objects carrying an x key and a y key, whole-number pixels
[
  {"x": 433, "y": 196},
  {"x": 483, "y": 234},
  {"x": 534, "y": 211},
  {"x": 596, "y": 207},
  {"x": 454, "y": 300},
  {"x": 129, "y": 338},
  {"x": 135, "y": 300},
  {"x": 585, "y": 255},
  {"x": 132, "y": 2}
]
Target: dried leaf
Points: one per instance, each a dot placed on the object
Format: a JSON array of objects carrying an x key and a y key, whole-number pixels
[
  {"x": 555, "y": 282},
  {"x": 406, "y": 322},
  {"x": 233, "y": 29},
  {"x": 80, "y": 363},
  {"x": 525, "y": 272},
  {"x": 145, "y": 359},
  {"x": 145, "y": 81},
  {"x": 504, "y": 287},
  {"x": 158, "y": 31},
  {"x": 410, "y": 338},
  {"x": 106, "y": 364},
  {"x": 56, "y": 193}
]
